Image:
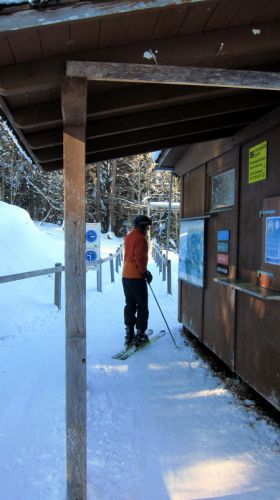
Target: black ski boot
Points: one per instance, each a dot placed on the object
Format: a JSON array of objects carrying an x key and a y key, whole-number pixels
[
  {"x": 141, "y": 339},
  {"x": 129, "y": 336}
]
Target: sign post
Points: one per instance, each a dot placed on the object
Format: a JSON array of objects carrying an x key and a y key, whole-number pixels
[{"x": 93, "y": 230}]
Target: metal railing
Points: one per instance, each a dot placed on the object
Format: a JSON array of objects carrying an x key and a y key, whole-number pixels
[
  {"x": 118, "y": 256},
  {"x": 59, "y": 268},
  {"x": 164, "y": 265}
]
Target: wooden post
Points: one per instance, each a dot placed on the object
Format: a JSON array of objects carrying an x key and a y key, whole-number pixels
[
  {"x": 57, "y": 286},
  {"x": 74, "y": 102}
]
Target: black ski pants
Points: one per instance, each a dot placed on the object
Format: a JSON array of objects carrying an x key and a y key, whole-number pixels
[{"x": 136, "y": 311}]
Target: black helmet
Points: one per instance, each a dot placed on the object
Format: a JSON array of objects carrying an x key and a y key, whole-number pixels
[{"x": 142, "y": 221}]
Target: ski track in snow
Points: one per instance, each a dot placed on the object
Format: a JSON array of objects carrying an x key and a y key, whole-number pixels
[{"x": 161, "y": 425}]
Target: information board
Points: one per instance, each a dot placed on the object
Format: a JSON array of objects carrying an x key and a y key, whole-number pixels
[
  {"x": 257, "y": 162},
  {"x": 191, "y": 251},
  {"x": 272, "y": 240},
  {"x": 93, "y": 231}
]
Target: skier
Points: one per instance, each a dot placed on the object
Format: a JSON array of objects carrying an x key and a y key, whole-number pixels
[{"x": 135, "y": 279}]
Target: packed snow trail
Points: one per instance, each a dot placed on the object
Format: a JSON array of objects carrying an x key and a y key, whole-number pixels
[{"x": 161, "y": 425}]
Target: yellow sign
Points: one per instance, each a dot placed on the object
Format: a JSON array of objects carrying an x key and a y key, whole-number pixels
[{"x": 257, "y": 162}]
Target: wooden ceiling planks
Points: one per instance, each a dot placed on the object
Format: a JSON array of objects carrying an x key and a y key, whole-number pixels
[
  {"x": 117, "y": 102},
  {"x": 270, "y": 11},
  {"x": 141, "y": 26},
  {"x": 128, "y": 150},
  {"x": 6, "y": 55},
  {"x": 240, "y": 47},
  {"x": 221, "y": 17},
  {"x": 169, "y": 21},
  {"x": 85, "y": 35},
  {"x": 241, "y": 108},
  {"x": 197, "y": 17},
  {"x": 247, "y": 13},
  {"x": 25, "y": 46},
  {"x": 184, "y": 129},
  {"x": 54, "y": 41},
  {"x": 112, "y": 29},
  {"x": 25, "y": 100},
  {"x": 212, "y": 33}
]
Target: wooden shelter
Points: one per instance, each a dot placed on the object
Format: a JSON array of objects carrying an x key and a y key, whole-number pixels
[
  {"x": 229, "y": 264},
  {"x": 75, "y": 90}
]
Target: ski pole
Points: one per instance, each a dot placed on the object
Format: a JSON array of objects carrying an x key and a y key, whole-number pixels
[{"x": 162, "y": 315}]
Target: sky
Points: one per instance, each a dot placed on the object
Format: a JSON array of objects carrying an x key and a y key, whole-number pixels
[
  {"x": 155, "y": 155},
  {"x": 161, "y": 425}
]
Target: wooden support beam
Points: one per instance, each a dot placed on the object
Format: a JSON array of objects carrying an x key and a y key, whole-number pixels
[
  {"x": 74, "y": 98},
  {"x": 173, "y": 75}
]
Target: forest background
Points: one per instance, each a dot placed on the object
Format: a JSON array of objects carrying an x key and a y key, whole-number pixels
[{"x": 116, "y": 190}]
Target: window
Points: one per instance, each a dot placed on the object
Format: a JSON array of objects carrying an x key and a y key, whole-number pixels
[{"x": 222, "y": 190}]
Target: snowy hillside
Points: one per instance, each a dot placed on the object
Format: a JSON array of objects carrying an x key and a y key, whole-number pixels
[{"x": 161, "y": 425}]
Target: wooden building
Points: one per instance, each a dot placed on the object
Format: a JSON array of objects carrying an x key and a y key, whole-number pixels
[
  {"x": 87, "y": 81},
  {"x": 231, "y": 194}
]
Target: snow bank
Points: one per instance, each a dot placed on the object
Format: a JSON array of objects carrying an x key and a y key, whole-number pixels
[{"x": 23, "y": 246}]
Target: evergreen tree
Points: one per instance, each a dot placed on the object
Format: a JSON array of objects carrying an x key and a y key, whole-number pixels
[{"x": 116, "y": 190}]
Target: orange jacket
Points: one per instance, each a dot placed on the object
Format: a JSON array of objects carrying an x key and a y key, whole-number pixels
[{"x": 135, "y": 254}]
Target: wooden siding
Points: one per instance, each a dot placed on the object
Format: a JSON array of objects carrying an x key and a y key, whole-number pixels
[{"x": 257, "y": 346}]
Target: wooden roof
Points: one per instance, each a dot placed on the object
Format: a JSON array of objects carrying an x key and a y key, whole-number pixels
[{"x": 130, "y": 118}]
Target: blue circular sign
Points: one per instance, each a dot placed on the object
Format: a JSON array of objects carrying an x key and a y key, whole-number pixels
[
  {"x": 91, "y": 256},
  {"x": 91, "y": 235}
]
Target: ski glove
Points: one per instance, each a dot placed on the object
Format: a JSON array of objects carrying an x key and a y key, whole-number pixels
[{"x": 148, "y": 276}]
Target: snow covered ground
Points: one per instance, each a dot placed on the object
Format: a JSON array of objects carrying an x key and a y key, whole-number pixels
[{"x": 161, "y": 425}]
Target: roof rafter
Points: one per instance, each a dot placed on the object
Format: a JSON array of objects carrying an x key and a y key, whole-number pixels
[
  {"x": 114, "y": 102},
  {"x": 163, "y": 117},
  {"x": 143, "y": 148},
  {"x": 149, "y": 136}
]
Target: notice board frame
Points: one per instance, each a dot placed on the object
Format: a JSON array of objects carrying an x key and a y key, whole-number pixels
[
  {"x": 192, "y": 251},
  {"x": 270, "y": 265}
]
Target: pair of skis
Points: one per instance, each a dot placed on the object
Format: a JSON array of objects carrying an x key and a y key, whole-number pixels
[{"x": 127, "y": 352}]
